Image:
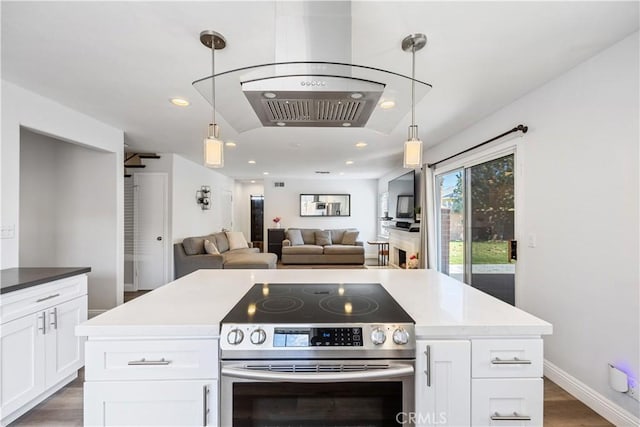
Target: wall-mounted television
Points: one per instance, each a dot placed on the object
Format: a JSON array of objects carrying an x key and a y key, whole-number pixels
[{"x": 402, "y": 196}]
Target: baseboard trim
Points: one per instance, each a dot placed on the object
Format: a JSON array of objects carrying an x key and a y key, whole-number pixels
[
  {"x": 609, "y": 410},
  {"x": 94, "y": 313},
  {"x": 129, "y": 287}
]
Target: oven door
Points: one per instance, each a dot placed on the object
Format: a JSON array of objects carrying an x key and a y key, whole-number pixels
[{"x": 316, "y": 393}]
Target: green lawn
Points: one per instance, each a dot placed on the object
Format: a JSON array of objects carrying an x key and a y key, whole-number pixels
[{"x": 482, "y": 252}]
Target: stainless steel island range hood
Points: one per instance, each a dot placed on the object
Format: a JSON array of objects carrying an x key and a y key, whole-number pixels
[{"x": 312, "y": 82}]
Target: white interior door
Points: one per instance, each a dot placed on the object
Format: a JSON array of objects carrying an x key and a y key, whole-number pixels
[{"x": 150, "y": 230}]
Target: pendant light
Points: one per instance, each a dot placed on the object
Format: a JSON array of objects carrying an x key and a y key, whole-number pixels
[
  {"x": 213, "y": 146},
  {"x": 413, "y": 145}
]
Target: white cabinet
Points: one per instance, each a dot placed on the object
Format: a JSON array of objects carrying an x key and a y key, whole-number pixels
[
  {"x": 151, "y": 382},
  {"x": 151, "y": 403},
  {"x": 38, "y": 347},
  {"x": 443, "y": 383},
  {"x": 507, "y": 388}
]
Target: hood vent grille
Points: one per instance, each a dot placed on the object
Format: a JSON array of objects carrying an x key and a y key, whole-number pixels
[
  {"x": 307, "y": 110},
  {"x": 313, "y": 100}
]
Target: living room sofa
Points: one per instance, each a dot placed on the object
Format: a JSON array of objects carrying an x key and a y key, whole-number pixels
[
  {"x": 316, "y": 246},
  {"x": 190, "y": 255}
]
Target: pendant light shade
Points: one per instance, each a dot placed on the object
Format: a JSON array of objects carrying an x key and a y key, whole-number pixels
[
  {"x": 413, "y": 144},
  {"x": 213, "y": 146}
]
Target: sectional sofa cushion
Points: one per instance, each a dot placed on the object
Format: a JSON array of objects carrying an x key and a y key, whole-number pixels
[
  {"x": 295, "y": 237},
  {"x": 194, "y": 245},
  {"x": 309, "y": 235},
  {"x": 210, "y": 247},
  {"x": 350, "y": 237},
  {"x": 303, "y": 250},
  {"x": 323, "y": 238},
  {"x": 337, "y": 234},
  {"x": 343, "y": 250},
  {"x": 221, "y": 241},
  {"x": 236, "y": 240}
]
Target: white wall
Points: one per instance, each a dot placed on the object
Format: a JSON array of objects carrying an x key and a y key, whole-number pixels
[
  {"x": 188, "y": 218},
  {"x": 580, "y": 191},
  {"x": 76, "y": 217},
  {"x": 21, "y": 108},
  {"x": 285, "y": 203}
]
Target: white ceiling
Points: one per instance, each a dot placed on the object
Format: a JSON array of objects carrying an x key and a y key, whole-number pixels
[{"x": 120, "y": 62}]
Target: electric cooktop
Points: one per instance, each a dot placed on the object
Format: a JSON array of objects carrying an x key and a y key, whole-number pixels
[{"x": 317, "y": 303}]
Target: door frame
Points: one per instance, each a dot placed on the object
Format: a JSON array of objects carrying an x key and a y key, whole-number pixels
[
  {"x": 165, "y": 226},
  {"x": 487, "y": 154}
]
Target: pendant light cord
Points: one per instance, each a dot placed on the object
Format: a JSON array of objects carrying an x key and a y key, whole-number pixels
[
  {"x": 413, "y": 90},
  {"x": 213, "y": 83}
]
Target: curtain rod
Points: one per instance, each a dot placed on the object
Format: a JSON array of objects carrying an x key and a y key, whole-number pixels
[{"x": 519, "y": 128}]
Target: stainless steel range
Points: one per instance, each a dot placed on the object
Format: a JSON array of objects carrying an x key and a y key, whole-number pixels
[{"x": 317, "y": 354}]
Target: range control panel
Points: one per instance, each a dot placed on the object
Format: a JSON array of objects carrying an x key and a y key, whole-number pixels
[
  {"x": 317, "y": 337},
  {"x": 293, "y": 339}
]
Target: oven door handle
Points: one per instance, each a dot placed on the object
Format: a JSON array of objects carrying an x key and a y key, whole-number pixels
[{"x": 319, "y": 377}]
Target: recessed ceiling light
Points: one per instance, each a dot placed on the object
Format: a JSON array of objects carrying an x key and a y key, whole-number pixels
[
  {"x": 361, "y": 144},
  {"x": 265, "y": 173},
  {"x": 281, "y": 124},
  {"x": 341, "y": 173},
  {"x": 348, "y": 162},
  {"x": 180, "y": 102},
  {"x": 253, "y": 181},
  {"x": 252, "y": 162},
  {"x": 385, "y": 105},
  {"x": 269, "y": 95},
  {"x": 230, "y": 144},
  {"x": 346, "y": 124},
  {"x": 356, "y": 95}
]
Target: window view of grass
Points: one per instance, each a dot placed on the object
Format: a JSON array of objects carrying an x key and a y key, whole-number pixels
[{"x": 495, "y": 252}]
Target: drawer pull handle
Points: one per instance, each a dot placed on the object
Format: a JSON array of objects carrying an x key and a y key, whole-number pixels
[
  {"x": 205, "y": 405},
  {"x": 46, "y": 298},
  {"x": 514, "y": 361},
  {"x": 514, "y": 417},
  {"x": 145, "y": 362}
]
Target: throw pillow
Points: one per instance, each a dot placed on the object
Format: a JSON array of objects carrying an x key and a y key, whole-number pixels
[
  {"x": 210, "y": 248},
  {"x": 295, "y": 237},
  {"x": 323, "y": 238},
  {"x": 350, "y": 237},
  {"x": 236, "y": 240}
]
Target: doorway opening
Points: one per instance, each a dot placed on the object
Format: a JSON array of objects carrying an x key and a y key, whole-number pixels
[{"x": 257, "y": 221}]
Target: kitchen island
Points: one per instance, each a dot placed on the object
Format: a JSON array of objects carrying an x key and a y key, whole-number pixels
[{"x": 155, "y": 359}]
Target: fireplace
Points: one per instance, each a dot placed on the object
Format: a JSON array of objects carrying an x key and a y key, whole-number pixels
[
  {"x": 402, "y": 244},
  {"x": 402, "y": 258}
]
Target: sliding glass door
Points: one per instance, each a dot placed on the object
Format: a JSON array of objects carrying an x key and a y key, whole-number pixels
[{"x": 475, "y": 226}]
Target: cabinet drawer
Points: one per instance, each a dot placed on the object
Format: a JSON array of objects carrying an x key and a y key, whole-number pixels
[
  {"x": 507, "y": 402},
  {"x": 26, "y": 301},
  {"x": 147, "y": 360},
  {"x": 506, "y": 358}
]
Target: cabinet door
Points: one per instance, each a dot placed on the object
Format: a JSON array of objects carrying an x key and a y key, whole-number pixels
[
  {"x": 21, "y": 361},
  {"x": 150, "y": 403},
  {"x": 443, "y": 383},
  {"x": 65, "y": 351}
]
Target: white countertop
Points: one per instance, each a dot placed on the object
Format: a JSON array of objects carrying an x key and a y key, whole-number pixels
[{"x": 193, "y": 306}]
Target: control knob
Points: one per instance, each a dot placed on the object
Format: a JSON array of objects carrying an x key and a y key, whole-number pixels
[
  {"x": 400, "y": 336},
  {"x": 258, "y": 336},
  {"x": 378, "y": 336},
  {"x": 235, "y": 336}
]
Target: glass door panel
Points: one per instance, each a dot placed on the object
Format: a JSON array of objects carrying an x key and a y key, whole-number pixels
[
  {"x": 451, "y": 223},
  {"x": 475, "y": 225},
  {"x": 491, "y": 221}
]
